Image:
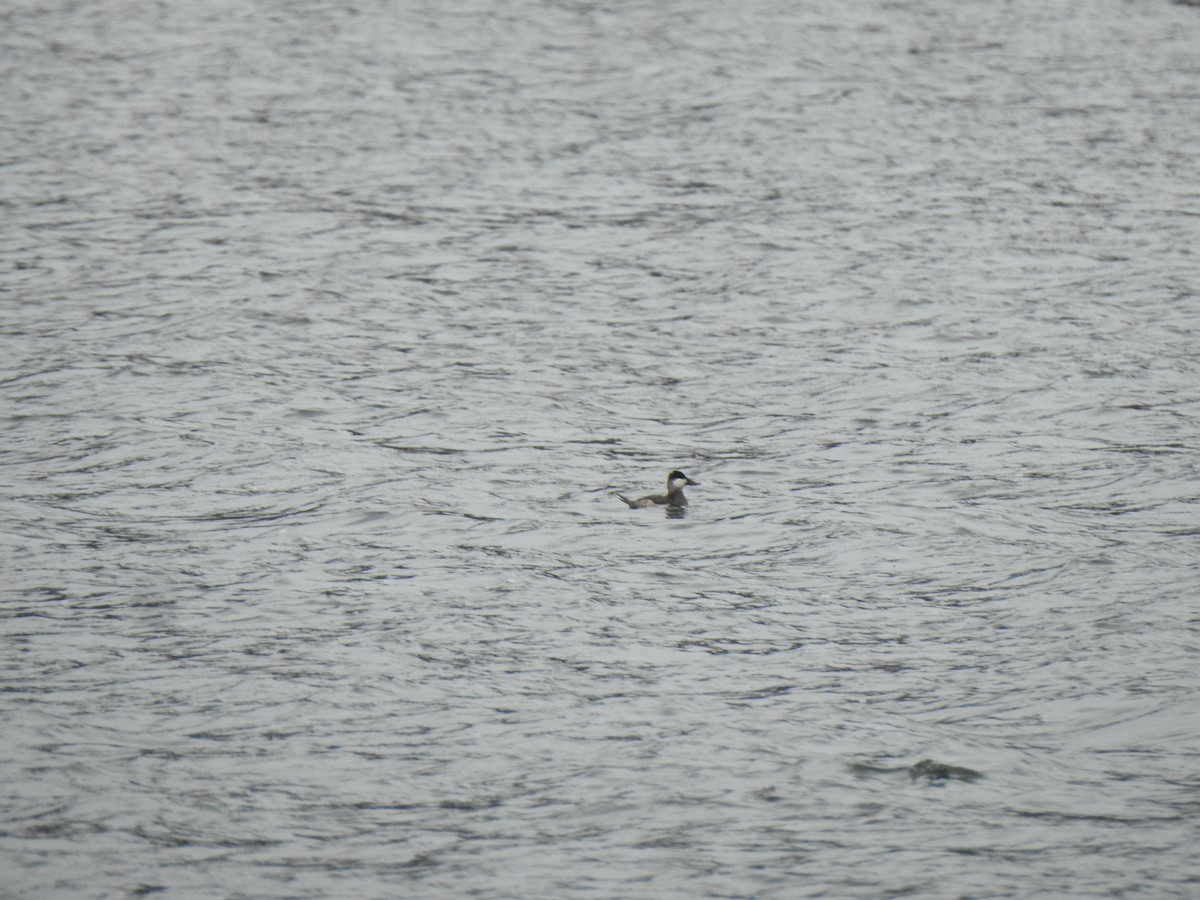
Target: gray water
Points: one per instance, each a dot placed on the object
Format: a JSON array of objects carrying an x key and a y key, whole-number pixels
[{"x": 331, "y": 330}]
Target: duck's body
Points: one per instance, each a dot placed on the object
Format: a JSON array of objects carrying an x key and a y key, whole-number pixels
[{"x": 672, "y": 498}]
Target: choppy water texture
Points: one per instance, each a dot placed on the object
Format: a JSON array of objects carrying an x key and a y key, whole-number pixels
[{"x": 330, "y": 330}]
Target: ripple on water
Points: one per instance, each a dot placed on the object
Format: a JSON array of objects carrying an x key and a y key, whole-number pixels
[{"x": 332, "y": 333}]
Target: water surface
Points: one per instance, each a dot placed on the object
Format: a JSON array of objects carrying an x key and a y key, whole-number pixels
[{"x": 330, "y": 332}]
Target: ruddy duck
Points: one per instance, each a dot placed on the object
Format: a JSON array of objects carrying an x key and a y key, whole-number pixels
[{"x": 673, "y": 498}]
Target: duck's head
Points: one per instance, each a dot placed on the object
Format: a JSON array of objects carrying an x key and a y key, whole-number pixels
[{"x": 677, "y": 480}]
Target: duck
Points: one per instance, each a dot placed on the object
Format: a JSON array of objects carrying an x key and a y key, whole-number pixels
[{"x": 673, "y": 498}]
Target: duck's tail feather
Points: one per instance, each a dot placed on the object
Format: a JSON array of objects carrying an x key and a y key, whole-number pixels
[{"x": 627, "y": 501}]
